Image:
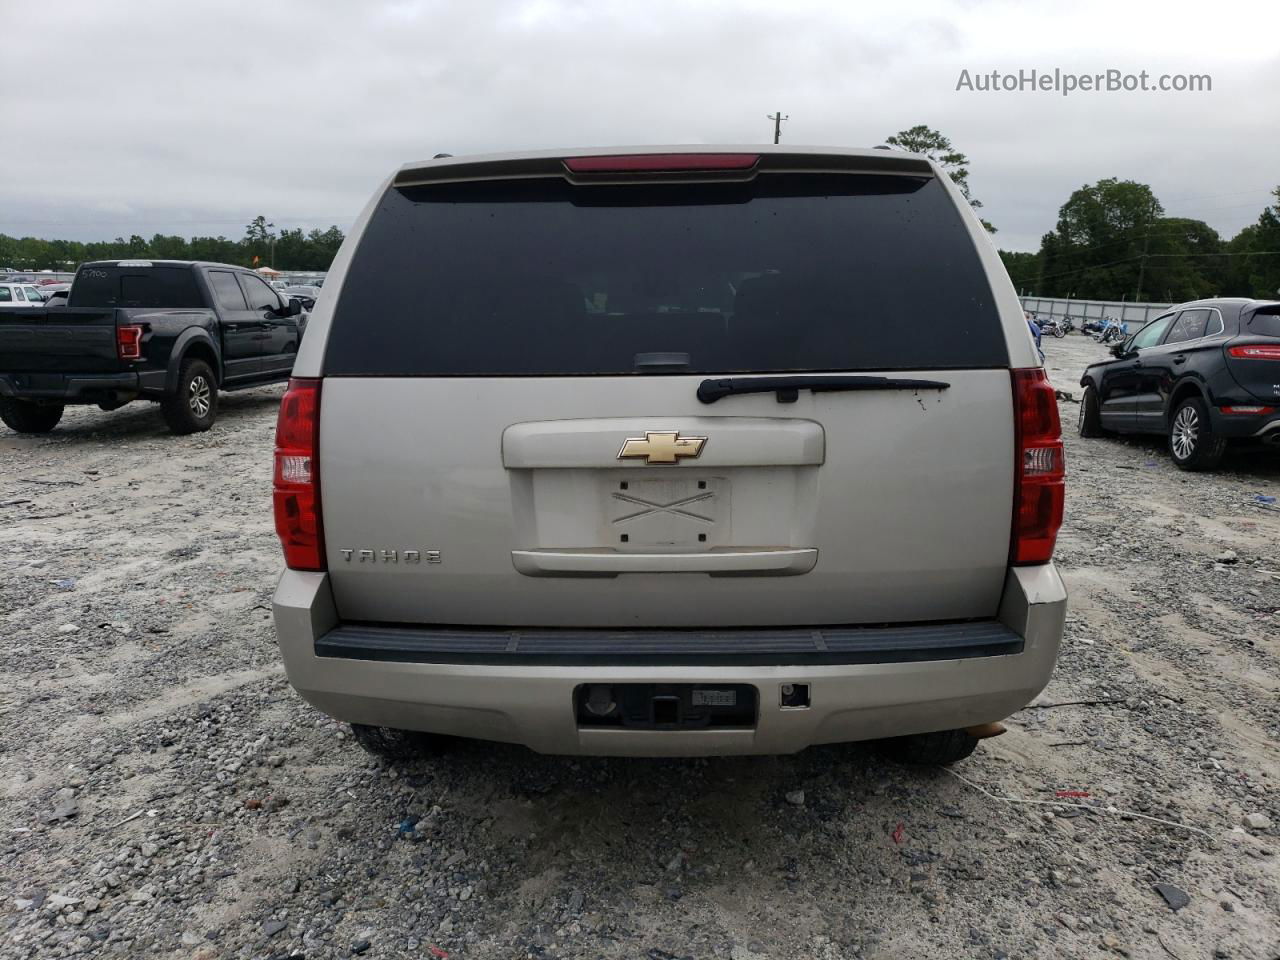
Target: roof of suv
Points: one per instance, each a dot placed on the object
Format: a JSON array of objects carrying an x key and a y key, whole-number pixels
[{"x": 166, "y": 263}]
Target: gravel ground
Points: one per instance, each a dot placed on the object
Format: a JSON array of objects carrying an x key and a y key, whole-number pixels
[{"x": 163, "y": 793}]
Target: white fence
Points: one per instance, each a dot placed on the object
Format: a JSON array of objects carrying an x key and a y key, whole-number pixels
[{"x": 1136, "y": 315}]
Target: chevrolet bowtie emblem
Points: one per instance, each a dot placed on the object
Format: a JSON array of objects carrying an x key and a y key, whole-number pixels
[{"x": 661, "y": 446}]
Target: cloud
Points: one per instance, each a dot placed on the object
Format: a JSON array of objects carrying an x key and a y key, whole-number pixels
[{"x": 194, "y": 117}]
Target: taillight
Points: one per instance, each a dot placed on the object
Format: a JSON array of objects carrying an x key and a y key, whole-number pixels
[
  {"x": 296, "y": 480},
  {"x": 1251, "y": 410},
  {"x": 129, "y": 341},
  {"x": 1039, "y": 471},
  {"x": 662, "y": 162},
  {"x": 1255, "y": 351}
]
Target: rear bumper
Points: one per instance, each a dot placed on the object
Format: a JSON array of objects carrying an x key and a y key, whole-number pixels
[
  {"x": 532, "y": 703},
  {"x": 1263, "y": 427},
  {"x": 78, "y": 387}
]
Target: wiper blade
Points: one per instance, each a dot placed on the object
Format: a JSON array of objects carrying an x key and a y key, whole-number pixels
[{"x": 788, "y": 388}]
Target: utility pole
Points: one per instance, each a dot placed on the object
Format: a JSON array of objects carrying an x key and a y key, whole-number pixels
[
  {"x": 1142, "y": 264},
  {"x": 273, "y": 246},
  {"x": 777, "y": 119}
]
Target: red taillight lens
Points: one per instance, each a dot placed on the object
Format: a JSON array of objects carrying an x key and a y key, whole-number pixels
[
  {"x": 1255, "y": 351},
  {"x": 296, "y": 481},
  {"x": 129, "y": 342},
  {"x": 1039, "y": 471},
  {"x": 1239, "y": 411},
  {"x": 662, "y": 162}
]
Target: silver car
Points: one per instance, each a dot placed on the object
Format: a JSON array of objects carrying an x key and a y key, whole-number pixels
[{"x": 669, "y": 452}]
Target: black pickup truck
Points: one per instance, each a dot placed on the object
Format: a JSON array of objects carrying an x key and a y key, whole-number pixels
[{"x": 170, "y": 331}]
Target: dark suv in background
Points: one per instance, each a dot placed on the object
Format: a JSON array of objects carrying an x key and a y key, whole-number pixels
[{"x": 1203, "y": 374}]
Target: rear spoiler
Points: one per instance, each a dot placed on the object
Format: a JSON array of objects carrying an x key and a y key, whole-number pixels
[
  {"x": 1262, "y": 310},
  {"x": 544, "y": 166}
]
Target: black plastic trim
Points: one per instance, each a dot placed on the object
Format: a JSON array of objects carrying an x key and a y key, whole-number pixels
[
  {"x": 769, "y": 647},
  {"x": 72, "y": 387},
  {"x": 787, "y": 388}
]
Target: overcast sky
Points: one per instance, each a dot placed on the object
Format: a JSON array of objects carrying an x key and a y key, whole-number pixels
[{"x": 192, "y": 117}]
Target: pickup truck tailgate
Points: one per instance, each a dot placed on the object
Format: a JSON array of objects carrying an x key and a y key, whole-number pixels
[{"x": 58, "y": 340}]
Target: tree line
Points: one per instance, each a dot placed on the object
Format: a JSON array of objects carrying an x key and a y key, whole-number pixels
[
  {"x": 292, "y": 249},
  {"x": 1113, "y": 241}
]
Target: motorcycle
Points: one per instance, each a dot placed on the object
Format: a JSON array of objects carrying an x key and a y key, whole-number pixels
[
  {"x": 1058, "y": 328},
  {"x": 1113, "y": 331}
]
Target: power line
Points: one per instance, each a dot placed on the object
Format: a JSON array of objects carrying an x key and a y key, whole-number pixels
[
  {"x": 1067, "y": 273},
  {"x": 1239, "y": 253},
  {"x": 1149, "y": 256},
  {"x": 1156, "y": 233}
]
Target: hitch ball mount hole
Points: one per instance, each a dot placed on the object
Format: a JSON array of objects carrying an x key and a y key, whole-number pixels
[{"x": 793, "y": 696}]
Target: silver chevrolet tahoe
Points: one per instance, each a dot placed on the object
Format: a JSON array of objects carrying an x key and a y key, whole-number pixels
[{"x": 669, "y": 452}]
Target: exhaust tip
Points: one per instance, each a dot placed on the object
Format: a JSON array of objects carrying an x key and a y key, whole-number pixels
[{"x": 985, "y": 731}]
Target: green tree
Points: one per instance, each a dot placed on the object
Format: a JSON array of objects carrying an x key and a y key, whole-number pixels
[
  {"x": 169, "y": 248},
  {"x": 257, "y": 240},
  {"x": 931, "y": 143},
  {"x": 1184, "y": 260},
  {"x": 1255, "y": 271},
  {"x": 1023, "y": 268},
  {"x": 1096, "y": 249},
  {"x": 1113, "y": 242}
]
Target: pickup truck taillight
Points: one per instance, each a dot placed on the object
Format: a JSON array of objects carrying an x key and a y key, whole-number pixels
[
  {"x": 129, "y": 341},
  {"x": 296, "y": 479},
  {"x": 1039, "y": 470}
]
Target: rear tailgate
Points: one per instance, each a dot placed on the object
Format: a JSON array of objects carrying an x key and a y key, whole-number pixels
[
  {"x": 511, "y": 432},
  {"x": 1254, "y": 356},
  {"x": 847, "y": 508},
  {"x": 58, "y": 340}
]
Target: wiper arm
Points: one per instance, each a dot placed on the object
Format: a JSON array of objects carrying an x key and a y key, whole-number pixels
[{"x": 788, "y": 388}]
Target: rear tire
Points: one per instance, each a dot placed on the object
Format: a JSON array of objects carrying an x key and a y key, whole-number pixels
[
  {"x": 398, "y": 745},
  {"x": 940, "y": 748},
  {"x": 1192, "y": 443},
  {"x": 27, "y": 417},
  {"x": 1090, "y": 422},
  {"x": 194, "y": 405}
]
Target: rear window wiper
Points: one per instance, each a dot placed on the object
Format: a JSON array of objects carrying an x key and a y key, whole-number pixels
[{"x": 788, "y": 388}]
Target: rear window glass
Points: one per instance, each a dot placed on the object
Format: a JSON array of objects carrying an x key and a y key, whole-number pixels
[
  {"x": 788, "y": 273},
  {"x": 165, "y": 287},
  {"x": 1265, "y": 324}
]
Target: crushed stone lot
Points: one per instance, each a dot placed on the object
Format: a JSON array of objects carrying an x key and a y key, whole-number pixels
[{"x": 164, "y": 793}]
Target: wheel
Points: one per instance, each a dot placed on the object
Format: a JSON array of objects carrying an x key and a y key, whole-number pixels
[
  {"x": 1090, "y": 422},
  {"x": 194, "y": 406},
  {"x": 1059, "y": 332},
  {"x": 1192, "y": 442},
  {"x": 933, "y": 749},
  {"x": 398, "y": 745},
  {"x": 27, "y": 417}
]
